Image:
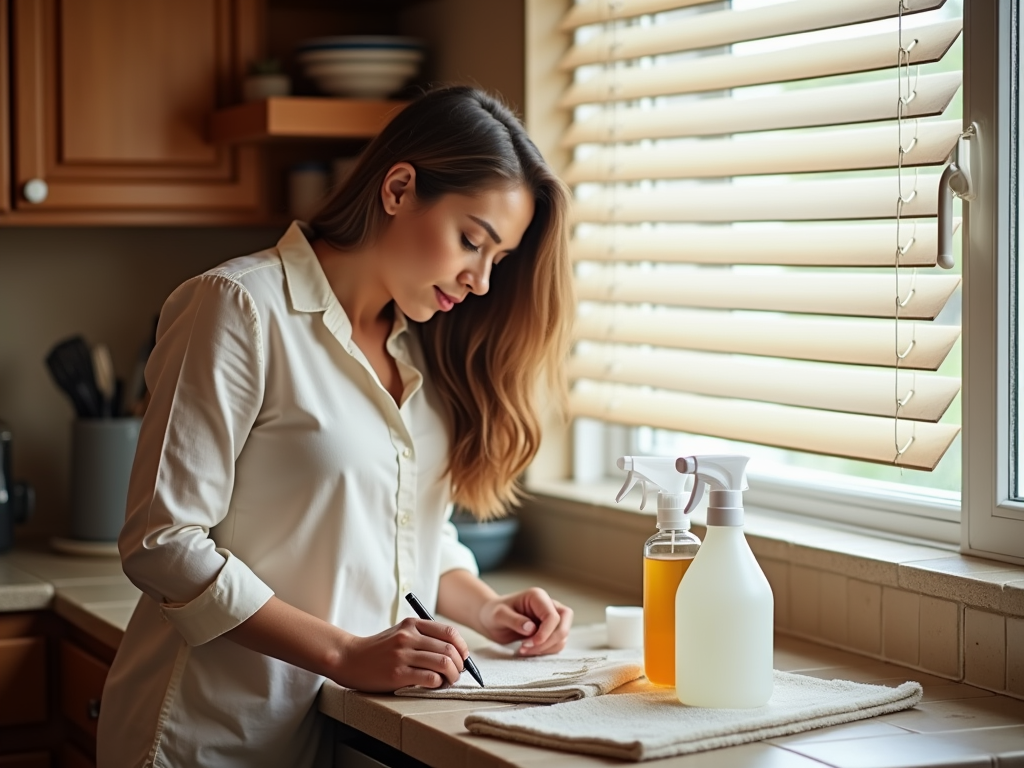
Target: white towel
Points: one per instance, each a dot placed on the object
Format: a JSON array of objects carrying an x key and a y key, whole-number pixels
[
  {"x": 652, "y": 723},
  {"x": 566, "y": 676}
]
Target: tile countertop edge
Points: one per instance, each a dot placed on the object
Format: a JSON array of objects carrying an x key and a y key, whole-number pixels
[
  {"x": 918, "y": 567},
  {"x": 22, "y": 591},
  {"x": 91, "y": 593}
]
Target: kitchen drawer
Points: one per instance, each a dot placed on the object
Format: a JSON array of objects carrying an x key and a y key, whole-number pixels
[
  {"x": 22, "y": 681},
  {"x": 81, "y": 684}
]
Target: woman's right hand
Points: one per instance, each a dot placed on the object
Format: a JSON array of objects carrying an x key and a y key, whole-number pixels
[{"x": 413, "y": 652}]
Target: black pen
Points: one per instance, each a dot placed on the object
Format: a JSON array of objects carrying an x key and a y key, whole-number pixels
[{"x": 423, "y": 613}]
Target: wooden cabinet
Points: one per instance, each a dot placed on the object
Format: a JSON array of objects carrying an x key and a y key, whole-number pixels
[
  {"x": 110, "y": 102},
  {"x": 5, "y": 112},
  {"x": 26, "y": 690},
  {"x": 83, "y": 664},
  {"x": 81, "y": 686}
]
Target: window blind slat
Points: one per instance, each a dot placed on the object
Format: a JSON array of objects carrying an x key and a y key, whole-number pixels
[
  {"x": 866, "y": 438},
  {"x": 867, "y": 391},
  {"x": 863, "y": 342},
  {"x": 854, "y": 295},
  {"x": 810, "y": 107},
  {"x": 807, "y": 245},
  {"x": 598, "y": 11},
  {"x": 713, "y": 73},
  {"x": 796, "y": 201},
  {"x": 859, "y": 149},
  {"x": 595, "y": 11},
  {"x": 730, "y": 26}
]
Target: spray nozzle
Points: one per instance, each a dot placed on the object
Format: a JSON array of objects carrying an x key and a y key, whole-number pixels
[
  {"x": 725, "y": 474},
  {"x": 626, "y": 462},
  {"x": 659, "y": 472}
]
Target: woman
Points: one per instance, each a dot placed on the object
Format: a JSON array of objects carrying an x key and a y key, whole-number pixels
[{"x": 315, "y": 409}]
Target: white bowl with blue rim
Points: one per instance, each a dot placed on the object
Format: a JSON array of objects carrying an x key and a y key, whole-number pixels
[{"x": 360, "y": 66}]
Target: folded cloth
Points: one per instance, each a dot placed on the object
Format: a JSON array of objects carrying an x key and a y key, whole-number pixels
[
  {"x": 572, "y": 674},
  {"x": 651, "y": 723}
]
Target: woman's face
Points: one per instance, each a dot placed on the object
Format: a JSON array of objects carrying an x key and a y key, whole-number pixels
[{"x": 435, "y": 255}]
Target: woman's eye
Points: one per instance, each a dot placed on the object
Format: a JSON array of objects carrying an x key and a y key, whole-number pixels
[{"x": 468, "y": 245}]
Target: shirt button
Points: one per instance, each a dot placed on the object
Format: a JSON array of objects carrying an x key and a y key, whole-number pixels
[
  {"x": 403, "y": 520},
  {"x": 407, "y": 453},
  {"x": 405, "y": 586}
]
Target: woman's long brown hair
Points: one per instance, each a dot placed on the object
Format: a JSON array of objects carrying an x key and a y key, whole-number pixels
[{"x": 488, "y": 357}]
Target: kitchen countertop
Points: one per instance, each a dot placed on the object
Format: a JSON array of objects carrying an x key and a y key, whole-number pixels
[{"x": 954, "y": 725}]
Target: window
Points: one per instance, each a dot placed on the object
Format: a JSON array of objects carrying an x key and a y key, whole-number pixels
[{"x": 734, "y": 167}]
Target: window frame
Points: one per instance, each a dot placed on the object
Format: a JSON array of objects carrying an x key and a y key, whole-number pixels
[{"x": 990, "y": 524}]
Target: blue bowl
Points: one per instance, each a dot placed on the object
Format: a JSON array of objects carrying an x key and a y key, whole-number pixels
[{"x": 489, "y": 542}]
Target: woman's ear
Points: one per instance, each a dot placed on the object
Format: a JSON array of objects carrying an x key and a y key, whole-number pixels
[{"x": 399, "y": 187}]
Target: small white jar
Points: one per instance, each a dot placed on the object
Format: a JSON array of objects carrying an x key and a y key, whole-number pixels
[{"x": 256, "y": 87}]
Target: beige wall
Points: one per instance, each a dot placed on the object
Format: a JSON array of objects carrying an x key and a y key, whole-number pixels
[
  {"x": 106, "y": 284},
  {"x": 477, "y": 42}
]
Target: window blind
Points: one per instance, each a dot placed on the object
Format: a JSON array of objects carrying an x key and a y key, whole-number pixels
[{"x": 743, "y": 268}]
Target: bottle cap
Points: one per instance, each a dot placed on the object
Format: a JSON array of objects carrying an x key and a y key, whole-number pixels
[
  {"x": 725, "y": 508},
  {"x": 672, "y": 511}
]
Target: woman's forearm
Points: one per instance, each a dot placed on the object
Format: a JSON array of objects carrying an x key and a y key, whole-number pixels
[
  {"x": 461, "y": 595},
  {"x": 287, "y": 633}
]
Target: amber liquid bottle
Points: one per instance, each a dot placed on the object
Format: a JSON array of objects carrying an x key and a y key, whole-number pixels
[{"x": 667, "y": 555}]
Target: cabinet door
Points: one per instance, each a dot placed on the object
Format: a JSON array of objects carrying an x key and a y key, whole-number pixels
[
  {"x": 22, "y": 680},
  {"x": 81, "y": 685},
  {"x": 111, "y": 104}
]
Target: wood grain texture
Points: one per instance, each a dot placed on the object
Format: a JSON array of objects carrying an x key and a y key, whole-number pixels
[
  {"x": 298, "y": 116},
  {"x": 23, "y": 681},
  {"x": 81, "y": 682},
  {"x": 5, "y": 112},
  {"x": 137, "y": 80},
  {"x": 111, "y": 102}
]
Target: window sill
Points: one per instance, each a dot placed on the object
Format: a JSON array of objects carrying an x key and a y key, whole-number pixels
[
  {"x": 919, "y": 604},
  {"x": 931, "y": 569}
]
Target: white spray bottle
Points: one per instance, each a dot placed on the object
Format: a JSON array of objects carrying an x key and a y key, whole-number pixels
[
  {"x": 667, "y": 555},
  {"x": 724, "y": 649}
]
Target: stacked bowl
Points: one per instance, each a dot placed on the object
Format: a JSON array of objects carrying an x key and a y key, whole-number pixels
[{"x": 360, "y": 66}]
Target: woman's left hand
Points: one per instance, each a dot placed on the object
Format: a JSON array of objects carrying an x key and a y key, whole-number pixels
[{"x": 531, "y": 616}]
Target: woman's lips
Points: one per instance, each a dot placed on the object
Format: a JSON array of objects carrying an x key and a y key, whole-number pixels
[{"x": 445, "y": 301}]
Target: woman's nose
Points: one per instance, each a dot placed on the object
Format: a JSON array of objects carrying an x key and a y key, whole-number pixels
[{"x": 478, "y": 280}]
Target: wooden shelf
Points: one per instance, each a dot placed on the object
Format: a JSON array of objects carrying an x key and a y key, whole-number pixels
[{"x": 302, "y": 117}]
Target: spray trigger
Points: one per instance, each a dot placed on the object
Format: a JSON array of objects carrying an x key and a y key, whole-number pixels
[
  {"x": 643, "y": 497},
  {"x": 627, "y": 486},
  {"x": 695, "y": 495}
]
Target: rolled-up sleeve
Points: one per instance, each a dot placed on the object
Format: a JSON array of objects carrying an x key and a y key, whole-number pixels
[
  {"x": 206, "y": 381},
  {"x": 455, "y": 554}
]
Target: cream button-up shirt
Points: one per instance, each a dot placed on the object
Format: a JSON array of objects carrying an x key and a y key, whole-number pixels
[{"x": 271, "y": 460}]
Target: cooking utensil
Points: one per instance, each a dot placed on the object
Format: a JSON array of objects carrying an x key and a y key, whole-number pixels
[
  {"x": 103, "y": 368},
  {"x": 135, "y": 396},
  {"x": 70, "y": 364}
]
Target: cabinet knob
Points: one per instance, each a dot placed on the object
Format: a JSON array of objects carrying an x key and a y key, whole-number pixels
[
  {"x": 35, "y": 190},
  {"x": 93, "y": 709}
]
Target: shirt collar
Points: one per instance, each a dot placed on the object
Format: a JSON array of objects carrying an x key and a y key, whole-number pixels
[
  {"x": 309, "y": 289},
  {"x": 307, "y": 284}
]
